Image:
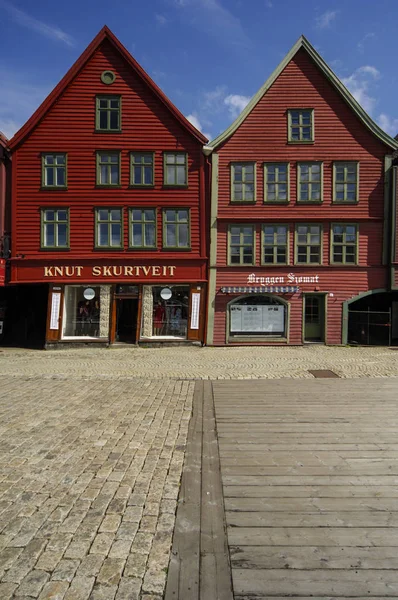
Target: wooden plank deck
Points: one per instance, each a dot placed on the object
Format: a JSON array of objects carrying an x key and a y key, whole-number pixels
[{"x": 310, "y": 482}]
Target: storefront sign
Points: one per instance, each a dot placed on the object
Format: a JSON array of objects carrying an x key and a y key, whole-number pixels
[
  {"x": 195, "y": 311},
  {"x": 122, "y": 271},
  {"x": 289, "y": 278},
  {"x": 257, "y": 318},
  {"x": 55, "y": 307}
]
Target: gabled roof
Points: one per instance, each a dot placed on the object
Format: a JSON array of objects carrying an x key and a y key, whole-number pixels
[
  {"x": 303, "y": 43},
  {"x": 104, "y": 34},
  {"x": 3, "y": 140}
]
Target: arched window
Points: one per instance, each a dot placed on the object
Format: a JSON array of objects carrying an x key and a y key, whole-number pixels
[{"x": 262, "y": 315}]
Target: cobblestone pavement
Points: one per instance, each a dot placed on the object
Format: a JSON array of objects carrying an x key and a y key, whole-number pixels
[
  {"x": 89, "y": 478},
  {"x": 193, "y": 362}
]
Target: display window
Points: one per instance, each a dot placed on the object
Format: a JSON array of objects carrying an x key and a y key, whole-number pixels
[
  {"x": 165, "y": 312},
  {"x": 82, "y": 312},
  {"x": 258, "y": 316}
]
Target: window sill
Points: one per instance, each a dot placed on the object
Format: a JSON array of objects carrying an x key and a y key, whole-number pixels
[
  {"x": 170, "y": 186},
  {"x": 274, "y": 265},
  {"x": 297, "y": 264},
  {"x": 100, "y": 186},
  {"x": 133, "y": 186},
  {"x": 246, "y": 265},
  {"x": 343, "y": 202},
  {"x": 108, "y": 248},
  {"x": 172, "y": 249},
  {"x": 309, "y": 202},
  {"x": 107, "y": 131},
  {"x": 243, "y": 202},
  {"x": 55, "y": 249},
  {"x": 301, "y": 143},
  {"x": 143, "y": 248},
  {"x": 343, "y": 265},
  {"x": 54, "y": 188},
  {"x": 277, "y": 202}
]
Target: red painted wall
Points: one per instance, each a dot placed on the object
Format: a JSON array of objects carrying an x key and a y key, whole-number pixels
[
  {"x": 69, "y": 127},
  {"x": 339, "y": 136}
]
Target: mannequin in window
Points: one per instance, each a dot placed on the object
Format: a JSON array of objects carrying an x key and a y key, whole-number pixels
[
  {"x": 95, "y": 318},
  {"x": 159, "y": 314}
]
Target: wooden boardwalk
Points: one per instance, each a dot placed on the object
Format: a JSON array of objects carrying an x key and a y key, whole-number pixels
[{"x": 309, "y": 474}]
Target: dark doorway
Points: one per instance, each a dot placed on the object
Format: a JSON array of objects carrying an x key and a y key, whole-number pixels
[
  {"x": 126, "y": 320},
  {"x": 25, "y": 316},
  {"x": 314, "y": 318}
]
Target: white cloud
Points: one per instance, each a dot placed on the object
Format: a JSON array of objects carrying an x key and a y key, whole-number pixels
[
  {"x": 194, "y": 119},
  {"x": 214, "y": 19},
  {"x": 25, "y": 20},
  {"x": 389, "y": 124},
  {"x": 360, "y": 84},
  {"x": 161, "y": 19},
  {"x": 324, "y": 21},
  {"x": 19, "y": 99},
  {"x": 364, "y": 40},
  {"x": 236, "y": 103}
]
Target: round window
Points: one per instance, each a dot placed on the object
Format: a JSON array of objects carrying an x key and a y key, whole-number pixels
[{"x": 108, "y": 77}]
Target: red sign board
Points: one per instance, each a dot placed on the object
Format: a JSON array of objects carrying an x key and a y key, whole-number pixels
[{"x": 2, "y": 271}]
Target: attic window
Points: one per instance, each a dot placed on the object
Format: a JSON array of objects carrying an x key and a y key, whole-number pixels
[{"x": 108, "y": 77}]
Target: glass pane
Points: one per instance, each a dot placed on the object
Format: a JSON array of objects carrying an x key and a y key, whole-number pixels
[
  {"x": 170, "y": 159},
  {"x": 235, "y": 256},
  {"x": 150, "y": 235},
  {"x": 114, "y": 103},
  {"x": 114, "y": 174},
  {"x": 337, "y": 255},
  {"x": 306, "y": 133},
  {"x": 181, "y": 175},
  {"x": 103, "y": 214},
  {"x": 350, "y": 254},
  {"x": 316, "y": 191},
  {"x": 148, "y": 159},
  {"x": 115, "y": 214},
  {"x": 49, "y": 215},
  {"x": 60, "y": 159},
  {"x": 62, "y": 238},
  {"x": 148, "y": 179},
  {"x": 49, "y": 159},
  {"x": 237, "y": 173},
  {"x": 103, "y": 103},
  {"x": 316, "y": 172},
  {"x": 281, "y": 255},
  {"x": 49, "y": 234},
  {"x": 171, "y": 235},
  {"x": 137, "y": 234},
  {"x": 351, "y": 191},
  {"x": 306, "y": 118},
  {"x": 136, "y": 215},
  {"x": 314, "y": 255},
  {"x": 294, "y": 115},
  {"x": 183, "y": 215},
  {"x": 137, "y": 176},
  {"x": 103, "y": 174},
  {"x": 49, "y": 176},
  {"x": 102, "y": 234},
  {"x": 339, "y": 174},
  {"x": 103, "y": 119},
  {"x": 304, "y": 170},
  {"x": 181, "y": 159},
  {"x": 304, "y": 191},
  {"x": 183, "y": 236},
  {"x": 271, "y": 174},
  {"x": 136, "y": 158},
  {"x": 170, "y": 176},
  {"x": 149, "y": 215},
  {"x": 62, "y": 215},
  {"x": 171, "y": 215},
  {"x": 60, "y": 176},
  {"x": 114, "y": 119},
  {"x": 115, "y": 234},
  {"x": 247, "y": 256},
  {"x": 338, "y": 238},
  {"x": 114, "y": 158},
  {"x": 295, "y": 133}
]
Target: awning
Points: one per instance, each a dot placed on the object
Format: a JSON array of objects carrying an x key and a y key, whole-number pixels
[{"x": 263, "y": 289}]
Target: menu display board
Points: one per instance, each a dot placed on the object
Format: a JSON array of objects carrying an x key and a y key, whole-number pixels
[{"x": 257, "y": 319}]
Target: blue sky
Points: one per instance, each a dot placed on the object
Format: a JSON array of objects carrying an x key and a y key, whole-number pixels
[{"x": 209, "y": 56}]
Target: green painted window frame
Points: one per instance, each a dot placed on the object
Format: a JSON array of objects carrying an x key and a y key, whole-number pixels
[
  {"x": 309, "y": 182},
  {"x": 345, "y": 164},
  {"x": 275, "y": 245},
  {"x": 100, "y": 163},
  {"x": 109, "y": 110},
  {"x": 176, "y": 222},
  {"x": 56, "y": 221},
  {"x": 344, "y": 244},
  {"x": 142, "y": 166},
  {"x": 143, "y": 221},
  {"x": 109, "y": 222},
  {"x": 176, "y": 165},
  {"x": 243, "y": 183},
  {"x": 300, "y": 125},
  {"x": 277, "y": 182},
  {"x": 241, "y": 244},
  {"x": 308, "y": 244},
  {"x": 54, "y": 167}
]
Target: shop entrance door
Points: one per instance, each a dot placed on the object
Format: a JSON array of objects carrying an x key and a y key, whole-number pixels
[
  {"x": 126, "y": 320},
  {"x": 314, "y": 318}
]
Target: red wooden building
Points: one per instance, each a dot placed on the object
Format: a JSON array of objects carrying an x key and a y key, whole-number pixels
[
  {"x": 5, "y": 172},
  {"x": 300, "y": 215},
  {"x": 108, "y": 209}
]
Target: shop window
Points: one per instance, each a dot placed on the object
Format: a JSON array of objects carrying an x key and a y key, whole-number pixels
[
  {"x": 83, "y": 312},
  {"x": 258, "y": 316},
  {"x": 165, "y": 311}
]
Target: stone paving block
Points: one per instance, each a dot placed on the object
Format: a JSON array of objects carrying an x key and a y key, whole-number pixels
[
  {"x": 135, "y": 566},
  {"x": 65, "y": 570},
  {"x": 54, "y": 590},
  {"x": 7, "y": 590},
  {"x": 102, "y": 544},
  {"x": 120, "y": 549},
  {"x": 129, "y": 589},
  {"x": 91, "y": 565},
  {"x": 103, "y": 592},
  {"x": 127, "y": 531},
  {"x": 111, "y": 571},
  {"x": 32, "y": 584},
  {"x": 80, "y": 588}
]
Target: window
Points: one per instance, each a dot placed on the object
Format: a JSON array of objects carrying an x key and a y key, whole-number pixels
[
  {"x": 169, "y": 316},
  {"x": 175, "y": 168},
  {"x": 82, "y": 317},
  {"x": 308, "y": 244},
  {"x": 241, "y": 245},
  {"x": 176, "y": 228},
  {"x": 243, "y": 182},
  {"x": 344, "y": 244},
  {"x": 143, "y": 228},
  {"x": 108, "y": 228},
  {"x": 300, "y": 125},
  {"x": 141, "y": 169},
  {"x": 108, "y": 113},
  {"x": 276, "y": 182},
  {"x": 345, "y": 182},
  {"x": 309, "y": 182},
  {"x": 263, "y": 315},
  {"x": 54, "y": 170},
  {"x": 275, "y": 244},
  {"x": 55, "y": 228},
  {"x": 108, "y": 168}
]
